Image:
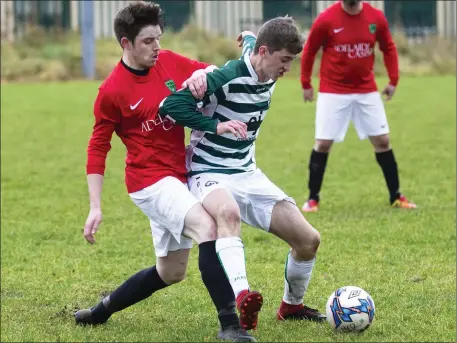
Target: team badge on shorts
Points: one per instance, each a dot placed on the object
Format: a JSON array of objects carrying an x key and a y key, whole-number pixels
[
  {"x": 372, "y": 28},
  {"x": 171, "y": 85}
]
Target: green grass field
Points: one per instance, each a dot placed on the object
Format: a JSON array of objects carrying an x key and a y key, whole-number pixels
[{"x": 405, "y": 260}]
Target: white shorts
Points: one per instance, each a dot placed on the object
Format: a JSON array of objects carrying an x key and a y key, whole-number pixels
[
  {"x": 335, "y": 111},
  {"x": 166, "y": 204},
  {"x": 253, "y": 191}
]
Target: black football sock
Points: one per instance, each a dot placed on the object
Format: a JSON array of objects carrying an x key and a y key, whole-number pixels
[
  {"x": 390, "y": 170},
  {"x": 138, "y": 287},
  {"x": 217, "y": 284},
  {"x": 317, "y": 165}
]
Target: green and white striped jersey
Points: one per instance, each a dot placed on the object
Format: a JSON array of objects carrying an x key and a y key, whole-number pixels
[
  {"x": 233, "y": 93},
  {"x": 242, "y": 97}
]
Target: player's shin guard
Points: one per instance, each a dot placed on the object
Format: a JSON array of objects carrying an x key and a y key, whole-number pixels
[
  {"x": 230, "y": 251},
  {"x": 297, "y": 275},
  {"x": 217, "y": 284},
  {"x": 231, "y": 254}
]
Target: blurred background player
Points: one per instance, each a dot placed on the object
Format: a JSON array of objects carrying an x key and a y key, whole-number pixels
[
  {"x": 155, "y": 175},
  {"x": 347, "y": 32}
]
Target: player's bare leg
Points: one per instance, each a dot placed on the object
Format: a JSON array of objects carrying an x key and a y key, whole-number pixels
[
  {"x": 221, "y": 205},
  {"x": 288, "y": 224},
  {"x": 317, "y": 165},
  {"x": 386, "y": 159}
]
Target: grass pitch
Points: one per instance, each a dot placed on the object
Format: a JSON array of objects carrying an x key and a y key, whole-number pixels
[{"x": 405, "y": 259}]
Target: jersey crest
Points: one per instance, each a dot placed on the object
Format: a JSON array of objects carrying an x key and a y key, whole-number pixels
[
  {"x": 372, "y": 28},
  {"x": 170, "y": 85}
]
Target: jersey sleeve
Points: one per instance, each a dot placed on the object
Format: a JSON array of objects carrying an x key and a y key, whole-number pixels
[
  {"x": 316, "y": 39},
  {"x": 388, "y": 48},
  {"x": 248, "y": 45},
  {"x": 180, "y": 107},
  {"x": 107, "y": 116}
]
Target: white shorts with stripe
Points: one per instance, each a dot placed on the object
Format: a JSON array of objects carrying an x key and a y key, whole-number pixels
[
  {"x": 166, "y": 203},
  {"x": 334, "y": 112},
  {"x": 254, "y": 193}
]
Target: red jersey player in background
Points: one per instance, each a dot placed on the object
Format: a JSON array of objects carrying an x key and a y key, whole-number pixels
[
  {"x": 347, "y": 32},
  {"x": 155, "y": 173}
]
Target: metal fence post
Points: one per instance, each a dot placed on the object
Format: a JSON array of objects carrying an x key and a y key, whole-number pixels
[{"x": 88, "y": 38}]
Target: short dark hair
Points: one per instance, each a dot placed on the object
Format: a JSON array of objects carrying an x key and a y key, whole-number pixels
[
  {"x": 131, "y": 19},
  {"x": 280, "y": 33}
]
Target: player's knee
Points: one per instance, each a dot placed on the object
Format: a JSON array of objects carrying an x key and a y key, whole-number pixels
[
  {"x": 208, "y": 231},
  {"x": 315, "y": 241},
  {"x": 175, "y": 276},
  {"x": 307, "y": 246},
  {"x": 381, "y": 143},
  {"x": 323, "y": 146},
  {"x": 172, "y": 271},
  {"x": 228, "y": 219}
]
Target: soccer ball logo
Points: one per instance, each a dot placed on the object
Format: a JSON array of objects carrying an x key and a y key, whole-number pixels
[{"x": 350, "y": 308}]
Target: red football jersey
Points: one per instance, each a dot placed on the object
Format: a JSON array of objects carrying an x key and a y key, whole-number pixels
[
  {"x": 128, "y": 105},
  {"x": 348, "y": 43}
]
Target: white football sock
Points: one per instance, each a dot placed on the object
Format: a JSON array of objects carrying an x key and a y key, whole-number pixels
[
  {"x": 296, "y": 279},
  {"x": 230, "y": 251}
]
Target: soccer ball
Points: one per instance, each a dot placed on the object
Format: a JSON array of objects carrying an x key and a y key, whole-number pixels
[{"x": 350, "y": 308}]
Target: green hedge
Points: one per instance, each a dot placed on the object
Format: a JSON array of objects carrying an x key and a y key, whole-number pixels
[{"x": 41, "y": 56}]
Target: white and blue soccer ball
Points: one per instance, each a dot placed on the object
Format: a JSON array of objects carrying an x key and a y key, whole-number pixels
[{"x": 350, "y": 308}]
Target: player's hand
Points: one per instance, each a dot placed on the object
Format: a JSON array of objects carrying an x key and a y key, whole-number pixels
[
  {"x": 241, "y": 36},
  {"x": 196, "y": 84},
  {"x": 91, "y": 227},
  {"x": 388, "y": 92},
  {"x": 308, "y": 94},
  {"x": 236, "y": 127}
]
